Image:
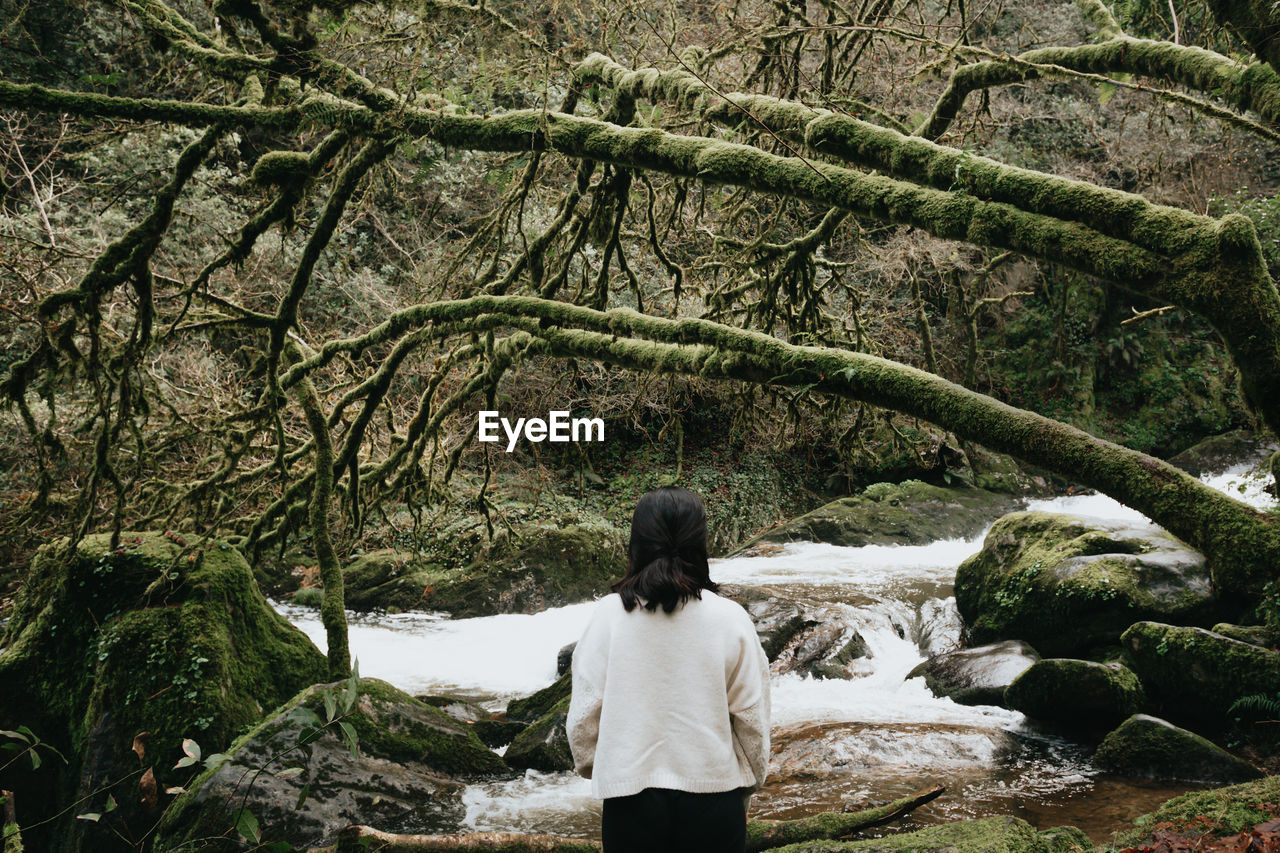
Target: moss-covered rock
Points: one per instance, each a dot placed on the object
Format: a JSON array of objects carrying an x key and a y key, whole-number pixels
[
  {"x": 1257, "y": 635},
  {"x": 1000, "y": 472},
  {"x": 1152, "y": 748},
  {"x": 543, "y": 744},
  {"x": 1066, "y": 583},
  {"x": 1195, "y": 675},
  {"x": 976, "y": 676},
  {"x": 909, "y": 513},
  {"x": 406, "y": 776},
  {"x": 536, "y": 705},
  {"x": 1213, "y": 813},
  {"x": 1220, "y": 452},
  {"x": 999, "y": 834},
  {"x": 535, "y": 568},
  {"x": 106, "y": 643},
  {"x": 1078, "y": 694}
]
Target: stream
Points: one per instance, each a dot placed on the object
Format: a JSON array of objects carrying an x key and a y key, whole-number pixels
[{"x": 836, "y": 744}]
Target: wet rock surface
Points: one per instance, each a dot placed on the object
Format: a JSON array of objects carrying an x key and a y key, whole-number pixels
[
  {"x": 978, "y": 675},
  {"x": 909, "y": 513},
  {"x": 1195, "y": 675},
  {"x": 406, "y": 776},
  {"x": 1076, "y": 694},
  {"x": 1067, "y": 583}
]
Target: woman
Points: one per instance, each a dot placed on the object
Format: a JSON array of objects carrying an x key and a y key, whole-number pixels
[{"x": 669, "y": 716}]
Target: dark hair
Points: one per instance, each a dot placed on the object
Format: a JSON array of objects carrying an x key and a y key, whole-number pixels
[{"x": 667, "y": 554}]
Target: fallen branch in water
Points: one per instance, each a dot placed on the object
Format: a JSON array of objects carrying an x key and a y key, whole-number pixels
[
  {"x": 826, "y": 826},
  {"x": 761, "y": 834}
]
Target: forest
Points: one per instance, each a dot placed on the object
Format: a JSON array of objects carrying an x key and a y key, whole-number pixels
[{"x": 960, "y": 316}]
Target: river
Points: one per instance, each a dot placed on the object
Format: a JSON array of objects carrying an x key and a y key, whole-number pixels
[{"x": 837, "y": 744}]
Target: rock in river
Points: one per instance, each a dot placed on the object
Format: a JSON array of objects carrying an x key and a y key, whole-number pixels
[
  {"x": 404, "y": 778},
  {"x": 909, "y": 513},
  {"x": 523, "y": 572},
  {"x": 1155, "y": 749},
  {"x": 1196, "y": 675},
  {"x": 976, "y": 676},
  {"x": 1066, "y": 583},
  {"x": 1079, "y": 694}
]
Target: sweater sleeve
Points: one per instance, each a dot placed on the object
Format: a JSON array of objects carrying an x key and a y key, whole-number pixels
[
  {"x": 749, "y": 706},
  {"x": 582, "y": 723}
]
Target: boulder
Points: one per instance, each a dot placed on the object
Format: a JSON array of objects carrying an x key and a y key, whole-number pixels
[
  {"x": 107, "y": 643},
  {"x": 523, "y": 572},
  {"x": 1257, "y": 635},
  {"x": 976, "y": 676},
  {"x": 1196, "y": 675},
  {"x": 543, "y": 744},
  {"x": 532, "y": 707},
  {"x": 777, "y": 619},
  {"x": 495, "y": 733},
  {"x": 801, "y": 636},
  {"x": 909, "y": 513},
  {"x": 1220, "y": 452},
  {"x": 405, "y": 777},
  {"x": 564, "y": 658},
  {"x": 1067, "y": 583},
  {"x": 1079, "y": 694},
  {"x": 1152, "y": 748}
]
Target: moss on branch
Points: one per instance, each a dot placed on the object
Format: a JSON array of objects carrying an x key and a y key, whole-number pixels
[{"x": 1242, "y": 544}]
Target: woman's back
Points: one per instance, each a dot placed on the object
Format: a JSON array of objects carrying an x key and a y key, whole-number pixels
[{"x": 670, "y": 685}]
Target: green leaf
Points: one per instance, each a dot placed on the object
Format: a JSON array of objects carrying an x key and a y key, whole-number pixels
[
  {"x": 330, "y": 706},
  {"x": 16, "y": 735},
  {"x": 288, "y": 772},
  {"x": 111, "y": 804},
  {"x": 302, "y": 795},
  {"x": 191, "y": 748},
  {"x": 305, "y": 716},
  {"x": 35, "y": 759},
  {"x": 1105, "y": 92},
  {"x": 90, "y": 816},
  {"x": 247, "y": 826},
  {"x": 350, "y": 736}
]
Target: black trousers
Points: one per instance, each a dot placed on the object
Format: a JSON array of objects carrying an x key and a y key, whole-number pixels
[{"x": 660, "y": 819}]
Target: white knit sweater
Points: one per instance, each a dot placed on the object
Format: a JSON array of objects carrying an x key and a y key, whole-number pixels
[{"x": 678, "y": 700}]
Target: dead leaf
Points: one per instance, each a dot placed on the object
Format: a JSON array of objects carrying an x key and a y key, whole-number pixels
[{"x": 147, "y": 785}]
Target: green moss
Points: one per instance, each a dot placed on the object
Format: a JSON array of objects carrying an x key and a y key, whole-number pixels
[
  {"x": 1257, "y": 635},
  {"x": 1065, "y": 584},
  {"x": 911, "y": 512},
  {"x": 538, "y": 704},
  {"x": 999, "y": 834},
  {"x": 392, "y": 728},
  {"x": 1076, "y": 693},
  {"x": 538, "y": 565},
  {"x": 111, "y": 643},
  {"x": 435, "y": 739},
  {"x": 543, "y": 744},
  {"x": 282, "y": 169},
  {"x": 1217, "y": 812},
  {"x": 1196, "y": 674},
  {"x": 1152, "y": 748}
]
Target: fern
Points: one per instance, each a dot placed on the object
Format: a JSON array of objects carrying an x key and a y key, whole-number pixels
[{"x": 1261, "y": 702}]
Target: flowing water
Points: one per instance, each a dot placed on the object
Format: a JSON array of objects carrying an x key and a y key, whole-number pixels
[{"x": 837, "y": 744}]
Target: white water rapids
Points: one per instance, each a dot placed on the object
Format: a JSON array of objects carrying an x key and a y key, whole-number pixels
[{"x": 838, "y": 743}]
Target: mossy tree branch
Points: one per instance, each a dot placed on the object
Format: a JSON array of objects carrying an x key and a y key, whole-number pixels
[{"x": 1241, "y": 543}]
